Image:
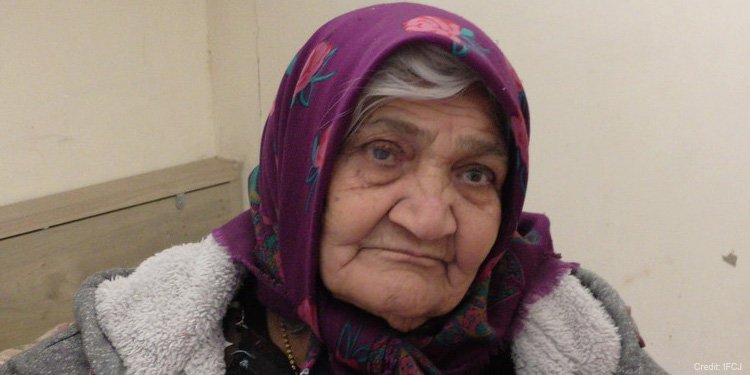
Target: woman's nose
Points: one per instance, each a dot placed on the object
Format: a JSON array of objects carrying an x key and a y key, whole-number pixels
[{"x": 426, "y": 208}]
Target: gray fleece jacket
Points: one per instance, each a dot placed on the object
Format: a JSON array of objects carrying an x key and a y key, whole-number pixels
[{"x": 165, "y": 317}]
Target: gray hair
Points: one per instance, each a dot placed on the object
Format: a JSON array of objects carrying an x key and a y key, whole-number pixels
[{"x": 414, "y": 72}]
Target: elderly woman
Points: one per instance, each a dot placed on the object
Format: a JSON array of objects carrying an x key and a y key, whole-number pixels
[{"x": 385, "y": 234}]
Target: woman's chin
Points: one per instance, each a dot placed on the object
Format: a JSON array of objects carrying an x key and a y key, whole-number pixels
[
  {"x": 405, "y": 300},
  {"x": 401, "y": 314},
  {"x": 407, "y": 312},
  {"x": 402, "y": 324}
]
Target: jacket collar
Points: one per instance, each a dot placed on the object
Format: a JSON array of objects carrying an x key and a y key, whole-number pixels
[{"x": 166, "y": 316}]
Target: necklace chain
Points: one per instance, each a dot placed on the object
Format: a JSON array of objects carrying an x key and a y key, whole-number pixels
[{"x": 288, "y": 348}]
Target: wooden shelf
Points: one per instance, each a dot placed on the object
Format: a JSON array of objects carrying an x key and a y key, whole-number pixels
[{"x": 49, "y": 245}]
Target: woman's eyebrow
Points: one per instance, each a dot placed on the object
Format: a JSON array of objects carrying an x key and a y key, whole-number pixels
[
  {"x": 471, "y": 145},
  {"x": 476, "y": 146},
  {"x": 397, "y": 126}
]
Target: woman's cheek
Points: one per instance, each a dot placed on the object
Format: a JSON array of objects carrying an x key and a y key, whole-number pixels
[{"x": 478, "y": 232}]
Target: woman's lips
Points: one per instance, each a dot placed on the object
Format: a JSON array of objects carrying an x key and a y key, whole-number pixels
[{"x": 406, "y": 255}]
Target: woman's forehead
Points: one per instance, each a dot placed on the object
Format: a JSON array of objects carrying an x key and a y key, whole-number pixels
[
  {"x": 472, "y": 129},
  {"x": 472, "y": 108}
]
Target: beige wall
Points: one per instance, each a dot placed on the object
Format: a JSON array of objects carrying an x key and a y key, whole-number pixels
[
  {"x": 232, "y": 38},
  {"x": 95, "y": 90},
  {"x": 639, "y": 147}
]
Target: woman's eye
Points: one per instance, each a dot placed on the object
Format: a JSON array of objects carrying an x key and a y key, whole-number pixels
[
  {"x": 381, "y": 154},
  {"x": 478, "y": 176},
  {"x": 384, "y": 153}
]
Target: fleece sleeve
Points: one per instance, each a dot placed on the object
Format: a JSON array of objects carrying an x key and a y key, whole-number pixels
[
  {"x": 633, "y": 359},
  {"x": 60, "y": 354}
]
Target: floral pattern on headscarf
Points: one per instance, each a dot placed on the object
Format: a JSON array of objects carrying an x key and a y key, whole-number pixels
[
  {"x": 312, "y": 72},
  {"x": 319, "y": 148},
  {"x": 266, "y": 238},
  {"x": 277, "y": 240},
  {"x": 463, "y": 38}
]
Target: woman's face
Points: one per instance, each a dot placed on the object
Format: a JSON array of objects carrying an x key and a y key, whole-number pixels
[{"x": 413, "y": 208}]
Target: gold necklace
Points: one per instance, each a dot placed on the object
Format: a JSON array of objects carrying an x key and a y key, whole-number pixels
[{"x": 288, "y": 347}]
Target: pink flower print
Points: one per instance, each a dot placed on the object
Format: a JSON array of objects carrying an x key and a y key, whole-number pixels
[
  {"x": 311, "y": 71},
  {"x": 463, "y": 38},
  {"x": 321, "y": 147},
  {"x": 309, "y": 314},
  {"x": 313, "y": 63},
  {"x": 266, "y": 220},
  {"x": 435, "y": 25}
]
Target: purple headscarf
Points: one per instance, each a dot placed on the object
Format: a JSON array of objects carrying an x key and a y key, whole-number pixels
[{"x": 278, "y": 238}]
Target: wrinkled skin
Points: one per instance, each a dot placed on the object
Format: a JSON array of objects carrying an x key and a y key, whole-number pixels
[{"x": 414, "y": 208}]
